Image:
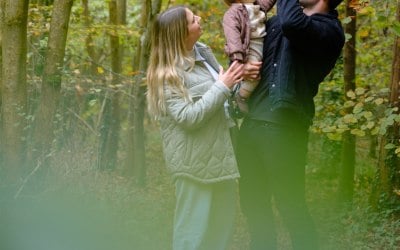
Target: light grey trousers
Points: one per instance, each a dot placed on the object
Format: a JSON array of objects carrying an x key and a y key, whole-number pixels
[{"x": 204, "y": 215}]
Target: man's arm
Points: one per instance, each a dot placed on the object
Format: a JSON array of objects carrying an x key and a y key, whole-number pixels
[{"x": 314, "y": 33}]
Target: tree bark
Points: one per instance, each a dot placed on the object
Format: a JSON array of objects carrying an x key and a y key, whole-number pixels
[
  {"x": 14, "y": 87},
  {"x": 43, "y": 135},
  {"x": 136, "y": 160},
  {"x": 395, "y": 82},
  {"x": 346, "y": 182},
  {"x": 93, "y": 54},
  {"x": 1, "y": 56},
  {"x": 110, "y": 128},
  {"x": 42, "y": 2}
]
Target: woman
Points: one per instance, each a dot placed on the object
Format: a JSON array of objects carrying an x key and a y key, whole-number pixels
[{"x": 187, "y": 95}]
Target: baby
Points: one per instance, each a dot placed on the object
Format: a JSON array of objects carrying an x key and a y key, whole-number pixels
[{"x": 244, "y": 28}]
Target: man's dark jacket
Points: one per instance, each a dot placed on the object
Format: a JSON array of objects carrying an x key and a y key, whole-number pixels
[{"x": 299, "y": 51}]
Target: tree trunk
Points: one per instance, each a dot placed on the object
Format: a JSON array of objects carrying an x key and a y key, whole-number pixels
[
  {"x": 43, "y": 135},
  {"x": 388, "y": 172},
  {"x": 346, "y": 182},
  {"x": 395, "y": 81},
  {"x": 89, "y": 42},
  {"x": 43, "y": 2},
  {"x": 111, "y": 123},
  {"x": 136, "y": 160},
  {"x": 1, "y": 59},
  {"x": 14, "y": 87}
]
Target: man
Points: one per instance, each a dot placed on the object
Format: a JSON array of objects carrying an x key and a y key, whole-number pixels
[{"x": 302, "y": 45}]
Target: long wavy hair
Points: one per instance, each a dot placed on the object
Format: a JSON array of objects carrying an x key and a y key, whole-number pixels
[{"x": 168, "y": 55}]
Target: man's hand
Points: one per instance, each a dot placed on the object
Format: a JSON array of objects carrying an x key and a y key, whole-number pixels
[{"x": 252, "y": 70}]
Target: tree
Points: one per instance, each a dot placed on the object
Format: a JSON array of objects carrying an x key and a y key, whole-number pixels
[
  {"x": 43, "y": 134},
  {"x": 135, "y": 164},
  {"x": 42, "y": 2},
  {"x": 14, "y": 86},
  {"x": 388, "y": 173},
  {"x": 93, "y": 54},
  {"x": 346, "y": 183},
  {"x": 110, "y": 128}
]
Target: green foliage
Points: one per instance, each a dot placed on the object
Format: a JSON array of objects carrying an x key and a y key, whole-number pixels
[
  {"x": 211, "y": 13},
  {"x": 370, "y": 113},
  {"x": 142, "y": 212}
]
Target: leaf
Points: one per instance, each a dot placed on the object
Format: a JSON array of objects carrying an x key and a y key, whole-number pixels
[
  {"x": 348, "y": 104},
  {"x": 396, "y": 28},
  {"x": 382, "y": 130},
  {"x": 363, "y": 33},
  {"x": 358, "y": 108},
  {"x": 357, "y": 132},
  {"x": 360, "y": 91},
  {"x": 351, "y": 94},
  {"x": 92, "y": 102},
  {"x": 368, "y": 115},
  {"x": 335, "y": 137},
  {"x": 379, "y": 101},
  {"x": 347, "y": 20},
  {"x": 390, "y": 146},
  {"x": 347, "y": 37},
  {"x": 100, "y": 70},
  {"x": 384, "y": 90},
  {"x": 349, "y": 118},
  {"x": 375, "y": 131},
  {"x": 368, "y": 99},
  {"x": 329, "y": 129}
]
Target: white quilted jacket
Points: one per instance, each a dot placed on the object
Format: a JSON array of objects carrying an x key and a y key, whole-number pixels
[{"x": 196, "y": 138}]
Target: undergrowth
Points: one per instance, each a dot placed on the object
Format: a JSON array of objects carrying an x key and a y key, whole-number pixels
[{"x": 79, "y": 207}]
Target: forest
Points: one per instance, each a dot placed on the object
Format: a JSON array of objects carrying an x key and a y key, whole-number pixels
[{"x": 81, "y": 162}]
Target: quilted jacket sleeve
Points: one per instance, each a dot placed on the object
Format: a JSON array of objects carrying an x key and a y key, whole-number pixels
[
  {"x": 193, "y": 114},
  {"x": 232, "y": 30}
]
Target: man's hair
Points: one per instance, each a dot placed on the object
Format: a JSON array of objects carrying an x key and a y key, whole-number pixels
[{"x": 334, "y": 3}]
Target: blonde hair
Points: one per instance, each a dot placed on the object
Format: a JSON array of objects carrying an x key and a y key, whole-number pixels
[{"x": 168, "y": 56}]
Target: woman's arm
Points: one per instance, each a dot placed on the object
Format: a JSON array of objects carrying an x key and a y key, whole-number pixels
[{"x": 192, "y": 114}]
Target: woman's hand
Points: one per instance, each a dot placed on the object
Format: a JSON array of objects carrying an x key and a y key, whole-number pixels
[
  {"x": 232, "y": 75},
  {"x": 251, "y": 70}
]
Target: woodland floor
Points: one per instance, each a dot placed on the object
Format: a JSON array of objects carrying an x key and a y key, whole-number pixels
[{"x": 79, "y": 208}]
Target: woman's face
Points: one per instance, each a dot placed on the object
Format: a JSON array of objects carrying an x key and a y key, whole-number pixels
[{"x": 194, "y": 29}]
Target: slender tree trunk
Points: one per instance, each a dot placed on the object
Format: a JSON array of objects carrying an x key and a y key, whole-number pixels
[
  {"x": 395, "y": 98},
  {"x": 388, "y": 173},
  {"x": 43, "y": 135},
  {"x": 136, "y": 160},
  {"x": 89, "y": 42},
  {"x": 1, "y": 58},
  {"x": 42, "y": 2},
  {"x": 14, "y": 87},
  {"x": 111, "y": 123},
  {"x": 346, "y": 183}
]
